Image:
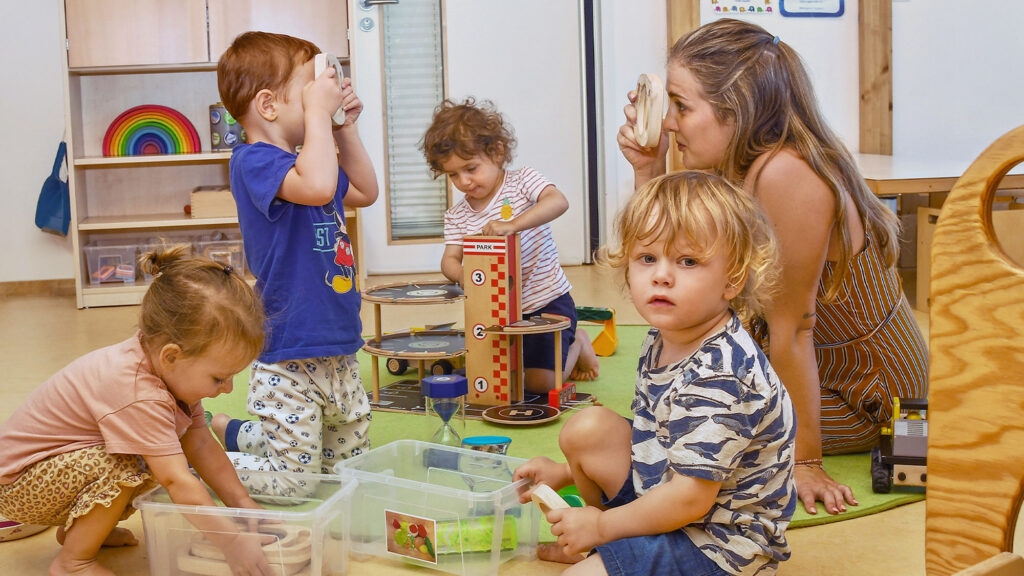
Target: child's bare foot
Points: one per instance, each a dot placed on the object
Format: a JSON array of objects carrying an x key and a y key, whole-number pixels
[
  {"x": 118, "y": 537},
  {"x": 554, "y": 553},
  {"x": 69, "y": 567},
  {"x": 587, "y": 365},
  {"x": 219, "y": 425}
]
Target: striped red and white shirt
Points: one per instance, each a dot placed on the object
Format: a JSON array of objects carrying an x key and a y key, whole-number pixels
[{"x": 542, "y": 276}]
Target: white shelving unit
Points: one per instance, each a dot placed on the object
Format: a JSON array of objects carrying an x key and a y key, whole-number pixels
[{"x": 126, "y": 53}]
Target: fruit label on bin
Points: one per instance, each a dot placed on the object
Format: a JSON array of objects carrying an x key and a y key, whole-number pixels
[{"x": 411, "y": 536}]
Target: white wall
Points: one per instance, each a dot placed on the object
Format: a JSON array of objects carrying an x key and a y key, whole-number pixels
[
  {"x": 828, "y": 47},
  {"x": 32, "y": 117},
  {"x": 633, "y": 41},
  {"x": 958, "y": 76}
]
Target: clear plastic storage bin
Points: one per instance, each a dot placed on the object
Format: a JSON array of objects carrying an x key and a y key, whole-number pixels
[
  {"x": 223, "y": 248},
  {"x": 110, "y": 263},
  {"x": 441, "y": 507},
  {"x": 307, "y": 515},
  {"x": 162, "y": 243}
]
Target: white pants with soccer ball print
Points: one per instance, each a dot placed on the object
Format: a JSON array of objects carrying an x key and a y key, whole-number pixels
[{"x": 312, "y": 413}]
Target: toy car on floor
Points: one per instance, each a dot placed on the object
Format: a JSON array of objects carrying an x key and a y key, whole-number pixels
[{"x": 899, "y": 459}]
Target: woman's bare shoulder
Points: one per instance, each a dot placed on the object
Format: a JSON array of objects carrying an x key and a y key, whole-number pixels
[{"x": 786, "y": 172}]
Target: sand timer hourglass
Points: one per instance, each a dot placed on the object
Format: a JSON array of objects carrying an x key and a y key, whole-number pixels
[{"x": 445, "y": 397}]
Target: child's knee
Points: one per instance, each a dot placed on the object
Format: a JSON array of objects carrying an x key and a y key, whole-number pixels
[
  {"x": 589, "y": 429},
  {"x": 539, "y": 380}
]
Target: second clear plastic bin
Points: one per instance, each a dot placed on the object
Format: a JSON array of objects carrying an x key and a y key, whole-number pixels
[{"x": 441, "y": 507}]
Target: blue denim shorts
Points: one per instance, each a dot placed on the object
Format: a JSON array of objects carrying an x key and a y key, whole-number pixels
[
  {"x": 539, "y": 349},
  {"x": 672, "y": 553}
]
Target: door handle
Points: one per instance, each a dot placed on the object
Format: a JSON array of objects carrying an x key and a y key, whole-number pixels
[{"x": 367, "y": 4}]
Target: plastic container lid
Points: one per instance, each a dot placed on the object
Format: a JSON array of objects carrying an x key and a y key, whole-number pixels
[
  {"x": 445, "y": 386},
  {"x": 485, "y": 440}
]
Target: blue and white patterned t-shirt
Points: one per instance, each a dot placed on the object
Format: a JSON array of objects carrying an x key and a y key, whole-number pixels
[{"x": 722, "y": 415}]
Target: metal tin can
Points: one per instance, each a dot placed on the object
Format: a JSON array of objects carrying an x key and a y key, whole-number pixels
[{"x": 225, "y": 131}]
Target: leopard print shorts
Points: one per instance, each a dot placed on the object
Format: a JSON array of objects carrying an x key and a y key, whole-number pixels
[{"x": 64, "y": 487}]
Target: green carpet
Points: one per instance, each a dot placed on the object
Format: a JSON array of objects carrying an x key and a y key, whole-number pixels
[{"x": 614, "y": 389}]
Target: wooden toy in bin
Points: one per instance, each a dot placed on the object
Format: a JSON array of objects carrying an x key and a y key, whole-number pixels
[{"x": 289, "y": 552}]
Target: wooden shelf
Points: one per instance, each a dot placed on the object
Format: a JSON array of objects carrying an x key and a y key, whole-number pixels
[
  {"x": 144, "y": 221},
  {"x": 162, "y": 159},
  {"x": 114, "y": 294},
  {"x": 121, "y": 54}
]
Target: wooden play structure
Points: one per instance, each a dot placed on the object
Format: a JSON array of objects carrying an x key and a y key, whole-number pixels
[
  {"x": 976, "y": 396},
  {"x": 494, "y": 364},
  {"x": 419, "y": 346},
  {"x": 492, "y": 341},
  {"x": 495, "y": 325}
]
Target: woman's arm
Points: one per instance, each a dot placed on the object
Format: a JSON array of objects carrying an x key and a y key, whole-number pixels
[
  {"x": 800, "y": 207},
  {"x": 647, "y": 163}
]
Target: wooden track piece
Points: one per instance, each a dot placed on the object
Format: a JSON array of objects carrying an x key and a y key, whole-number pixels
[
  {"x": 291, "y": 551},
  {"x": 976, "y": 379},
  {"x": 547, "y": 499}
]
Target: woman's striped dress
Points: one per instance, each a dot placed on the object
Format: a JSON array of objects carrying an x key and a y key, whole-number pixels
[{"x": 869, "y": 350}]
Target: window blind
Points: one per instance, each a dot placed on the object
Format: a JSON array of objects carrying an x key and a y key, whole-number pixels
[{"x": 413, "y": 87}]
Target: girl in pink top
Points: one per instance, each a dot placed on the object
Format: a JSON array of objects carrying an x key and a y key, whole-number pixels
[{"x": 110, "y": 424}]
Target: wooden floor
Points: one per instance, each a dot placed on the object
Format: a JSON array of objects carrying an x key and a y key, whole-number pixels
[{"x": 40, "y": 334}]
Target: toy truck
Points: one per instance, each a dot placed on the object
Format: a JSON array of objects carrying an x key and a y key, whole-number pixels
[{"x": 900, "y": 457}]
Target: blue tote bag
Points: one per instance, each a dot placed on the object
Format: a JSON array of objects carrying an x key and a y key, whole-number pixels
[{"x": 53, "y": 211}]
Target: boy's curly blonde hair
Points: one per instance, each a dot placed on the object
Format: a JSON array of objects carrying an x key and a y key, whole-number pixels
[{"x": 712, "y": 216}]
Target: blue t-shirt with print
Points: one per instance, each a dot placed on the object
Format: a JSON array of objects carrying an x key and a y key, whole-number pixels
[
  {"x": 301, "y": 256},
  {"x": 722, "y": 415}
]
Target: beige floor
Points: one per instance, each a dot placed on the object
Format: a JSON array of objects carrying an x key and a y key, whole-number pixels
[{"x": 40, "y": 334}]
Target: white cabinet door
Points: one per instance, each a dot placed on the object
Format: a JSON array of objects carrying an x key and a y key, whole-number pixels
[{"x": 525, "y": 57}]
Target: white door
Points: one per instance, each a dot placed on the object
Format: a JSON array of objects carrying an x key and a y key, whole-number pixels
[{"x": 525, "y": 56}]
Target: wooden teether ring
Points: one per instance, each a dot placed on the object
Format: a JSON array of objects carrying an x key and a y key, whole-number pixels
[
  {"x": 547, "y": 499},
  {"x": 650, "y": 109}
]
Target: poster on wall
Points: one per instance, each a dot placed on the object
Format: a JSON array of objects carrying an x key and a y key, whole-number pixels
[
  {"x": 747, "y": 7},
  {"x": 812, "y": 8}
]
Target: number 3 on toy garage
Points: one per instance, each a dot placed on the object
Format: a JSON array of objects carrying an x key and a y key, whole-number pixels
[{"x": 478, "y": 277}]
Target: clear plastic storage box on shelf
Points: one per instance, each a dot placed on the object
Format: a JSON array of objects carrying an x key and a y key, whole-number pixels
[
  {"x": 306, "y": 516},
  {"x": 163, "y": 243},
  {"x": 441, "y": 507},
  {"x": 224, "y": 248},
  {"x": 108, "y": 262}
]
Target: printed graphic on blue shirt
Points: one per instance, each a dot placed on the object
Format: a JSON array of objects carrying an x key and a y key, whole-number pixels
[{"x": 342, "y": 279}]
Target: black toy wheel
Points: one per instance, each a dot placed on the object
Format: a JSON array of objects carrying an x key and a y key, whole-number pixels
[
  {"x": 881, "y": 473},
  {"x": 441, "y": 367},
  {"x": 397, "y": 366}
]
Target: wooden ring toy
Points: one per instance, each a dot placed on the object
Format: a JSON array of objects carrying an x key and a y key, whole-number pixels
[{"x": 650, "y": 109}]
